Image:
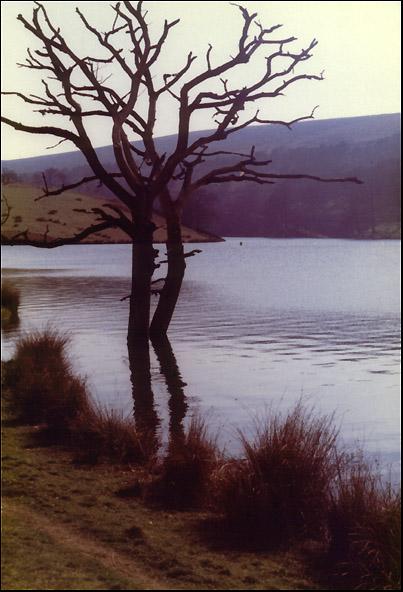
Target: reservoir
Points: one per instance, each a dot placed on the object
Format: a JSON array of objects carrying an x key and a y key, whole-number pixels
[{"x": 260, "y": 324}]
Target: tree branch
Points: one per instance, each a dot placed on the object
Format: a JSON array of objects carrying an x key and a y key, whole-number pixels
[
  {"x": 59, "y": 242},
  {"x": 64, "y": 188},
  {"x": 45, "y": 129}
]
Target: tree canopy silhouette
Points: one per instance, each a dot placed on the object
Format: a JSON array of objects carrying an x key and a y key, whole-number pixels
[{"x": 77, "y": 88}]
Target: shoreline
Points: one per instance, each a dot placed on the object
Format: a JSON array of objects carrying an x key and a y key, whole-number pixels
[{"x": 73, "y": 527}]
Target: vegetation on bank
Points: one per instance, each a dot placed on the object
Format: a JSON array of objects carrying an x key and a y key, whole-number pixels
[
  {"x": 47, "y": 393},
  {"x": 291, "y": 488},
  {"x": 278, "y": 490},
  {"x": 183, "y": 479},
  {"x": 75, "y": 525},
  {"x": 10, "y": 302}
]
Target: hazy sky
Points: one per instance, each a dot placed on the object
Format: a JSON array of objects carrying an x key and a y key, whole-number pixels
[{"x": 359, "y": 50}]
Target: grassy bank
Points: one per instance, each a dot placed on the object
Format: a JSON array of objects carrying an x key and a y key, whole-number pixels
[
  {"x": 94, "y": 489},
  {"x": 74, "y": 526},
  {"x": 73, "y": 517}
]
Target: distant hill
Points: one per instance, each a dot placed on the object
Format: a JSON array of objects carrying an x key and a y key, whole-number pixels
[
  {"x": 366, "y": 147},
  {"x": 66, "y": 215}
]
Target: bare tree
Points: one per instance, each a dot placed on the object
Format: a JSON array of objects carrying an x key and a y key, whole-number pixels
[{"x": 77, "y": 89}]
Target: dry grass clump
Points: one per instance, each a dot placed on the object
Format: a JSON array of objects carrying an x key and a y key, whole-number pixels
[
  {"x": 10, "y": 298},
  {"x": 365, "y": 529},
  {"x": 292, "y": 483},
  {"x": 45, "y": 391},
  {"x": 278, "y": 492},
  {"x": 182, "y": 480},
  {"x": 100, "y": 434}
]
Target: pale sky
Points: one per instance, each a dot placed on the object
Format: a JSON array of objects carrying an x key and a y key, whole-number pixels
[{"x": 359, "y": 51}]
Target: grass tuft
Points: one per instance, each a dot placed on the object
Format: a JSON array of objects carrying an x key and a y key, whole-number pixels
[
  {"x": 182, "y": 480},
  {"x": 46, "y": 392},
  {"x": 365, "y": 529},
  {"x": 10, "y": 299},
  {"x": 277, "y": 492},
  {"x": 100, "y": 434}
]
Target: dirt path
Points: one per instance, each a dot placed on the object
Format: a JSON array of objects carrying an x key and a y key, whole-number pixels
[{"x": 71, "y": 538}]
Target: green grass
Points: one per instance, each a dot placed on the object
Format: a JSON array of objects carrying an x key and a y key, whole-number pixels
[{"x": 54, "y": 563}]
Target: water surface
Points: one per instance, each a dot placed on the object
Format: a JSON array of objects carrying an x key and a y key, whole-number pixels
[{"x": 258, "y": 324}]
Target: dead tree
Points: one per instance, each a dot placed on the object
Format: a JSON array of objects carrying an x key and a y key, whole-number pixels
[{"x": 77, "y": 89}]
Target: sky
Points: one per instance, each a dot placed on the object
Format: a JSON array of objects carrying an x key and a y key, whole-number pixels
[{"x": 358, "y": 50}]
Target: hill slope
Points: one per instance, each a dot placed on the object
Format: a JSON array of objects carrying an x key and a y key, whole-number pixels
[
  {"x": 66, "y": 215},
  {"x": 366, "y": 147}
]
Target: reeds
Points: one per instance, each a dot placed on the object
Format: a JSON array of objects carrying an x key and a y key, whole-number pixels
[
  {"x": 182, "y": 479},
  {"x": 101, "y": 434},
  {"x": 295, "y": 483},
  {"x": 278, "y": 491},
  {"x": 46, "y": 392},
  {"x": 10, "y": 299},
  {"x": 364, "y": 529}
]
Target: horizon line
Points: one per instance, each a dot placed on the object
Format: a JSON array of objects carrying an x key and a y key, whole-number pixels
[{"x": 207, "y": 130}]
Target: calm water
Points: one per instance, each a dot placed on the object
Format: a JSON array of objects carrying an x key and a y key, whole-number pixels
[{"x": 258, "y": 325}]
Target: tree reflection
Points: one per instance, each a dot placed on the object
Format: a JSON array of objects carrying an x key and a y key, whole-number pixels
[
  {"x": 177, "y": 402},
  {"x": 145, "y": 415}
]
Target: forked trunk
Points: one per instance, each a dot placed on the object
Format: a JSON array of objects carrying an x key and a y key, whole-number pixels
[{"x": 173, "y": 282}]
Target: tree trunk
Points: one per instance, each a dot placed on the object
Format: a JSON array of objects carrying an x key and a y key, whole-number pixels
[
  {"x": 143, "y": 266},
  {"x": 173, "y": 282}
]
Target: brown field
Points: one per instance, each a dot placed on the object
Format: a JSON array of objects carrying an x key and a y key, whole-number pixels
[{"x": 65, "y": 215}]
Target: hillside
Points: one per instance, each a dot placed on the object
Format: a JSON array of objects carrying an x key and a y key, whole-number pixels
[
  {"x": 65, "y": 215},
  {"x": 365, "y": 147}
]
